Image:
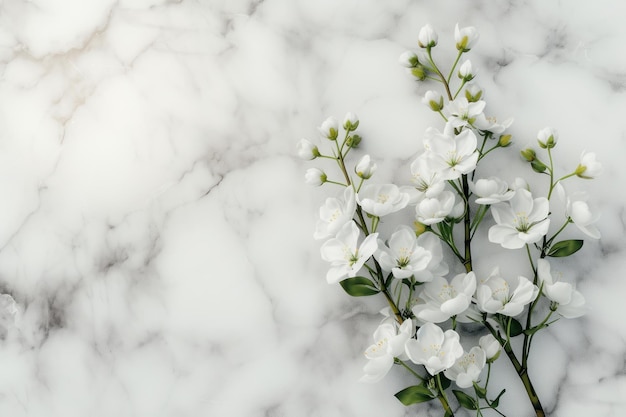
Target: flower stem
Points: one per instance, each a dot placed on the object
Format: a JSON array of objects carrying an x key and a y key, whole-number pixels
[
  {"x": 467, "y": 221},
  {"x": 443, "y": 399}
]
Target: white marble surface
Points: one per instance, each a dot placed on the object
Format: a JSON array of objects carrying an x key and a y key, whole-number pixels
[{"x": 156, "y": 233}]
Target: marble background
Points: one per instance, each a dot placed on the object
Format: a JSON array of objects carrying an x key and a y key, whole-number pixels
[{"x": 156, "y": 234}]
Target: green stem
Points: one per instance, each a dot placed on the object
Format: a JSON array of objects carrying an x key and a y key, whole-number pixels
[
  {"x": 467, "y": 221},
  {"x": 443, "y": 399}
]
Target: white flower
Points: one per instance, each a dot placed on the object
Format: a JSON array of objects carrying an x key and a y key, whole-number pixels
[
  {"x": 571, "y": 303},
  {"x": 365, "y": 168},
  {"x": 465, "y": 71},
  {"x": 345, "y": 256},
  {"x": 434, "y": 210},
  {"x": 465, "y": 37},
  {"x": 403, "y": 257},
  {"x": 381, "y": 200},
  {"x": 467, "y": 368},
  {"x": 307, "y": 150},
  {"x": 335, "y": 213},
  {"x": 350, "y": 122},
  {"x": 452, "y": 156},
  {"x": 443, "y": 300},
  {"x": 578, "y": 211},
  {"x": 408, "y": 59},
  {"x": 463, "y": 113},
  {"x": 433, "y": 99},
  {"x": 473, "y": 92},
  {"x": 494, "y": 295},
  {"x": 490, "y": 345},
  {"x": 435, "y": 349},
  {"x": 588, "y": 167},
  {"x": 436, "y": 266},
  {"x": 491, "y": 190},
  {"x": 329, "y": 128},
  {"x": 547, "y": 137},
  {"x": 426, "y": 178},
  {"x": 389, "y": 341},
  {"x": 523, "y": 220},
  {"x": 427, "y": 37},
  {"x": 491, "y": 124},
  {"x": 314, "y": 176}
]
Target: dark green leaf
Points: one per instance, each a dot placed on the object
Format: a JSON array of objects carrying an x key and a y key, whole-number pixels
[
  {"x": 565, "y": 248},
  {"x": 538, "y": 166},
  {"x": 514, "y": 327},
  {"x": 495, "y": 402},
  {"x": 445, "y": 382},
  {"x": 415, "y": 394},
  {"x": 480, "y": 391},
  {"x": 465, "y": 400},
  {"x": 359, "y": 286}
]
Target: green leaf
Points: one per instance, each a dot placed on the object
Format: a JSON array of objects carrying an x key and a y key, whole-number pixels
[
  {"x": 359, "y": 286},
  {"x": 445, "y": 382},
  {"x": 565, "y": 248},
  {"x": 538, "y": 166},
  {"x": 414, "y": 395},
  {"x": 495, "y": 402},
  {"x": 480, "y": 391},
  {"x": 514, "y": 327},
  {"x": 465, "y": 400}
]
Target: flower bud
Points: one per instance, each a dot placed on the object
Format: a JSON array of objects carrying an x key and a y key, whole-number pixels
[
  {"x": 353, "y": 141},
  {"x": 427, "y": 37},
  {"x": 420, "y": 228},
  {"x": 490, "y": 345},
  {"x": 504, "y": 141},
  {"x": 314, "y": 176},
  {"x": 409, "y": 59},
  {"x": 365, "y": 168},
  {"x": 350, "y": 122},
  {"x": 465, "y": 71},
  {"x": 434, "y": 100},
  {"x": 329, "y": 128},
  {"x": 419, "y": 72},
  {"x": 588, "y": 168},
  {"x": 538, "y": 166},
  {"x": 547, "y": 138},
  {"x": 473, "y": 93},
  {"x": 465, "y": 37},
  {"x": 306, "y": 150},
  {"x": 529, "y": 154}
]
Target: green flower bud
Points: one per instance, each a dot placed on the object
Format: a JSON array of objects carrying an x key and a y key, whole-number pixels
[
  {"x": 419, "y": 72},
  {"x": 528, "y": 154},
  {"x": 504, "y": 141},
  {"x": 353, "y": 141},
  {"x": 538, "y": 166}
]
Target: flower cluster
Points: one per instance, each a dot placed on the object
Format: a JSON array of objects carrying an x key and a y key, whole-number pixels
[{"x": 425, "y": 271}]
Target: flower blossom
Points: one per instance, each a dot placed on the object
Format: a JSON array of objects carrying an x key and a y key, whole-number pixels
[
  {"x": 494, "y": 295},
  {"x": 334, "y": 214},
  {"x": 329, "y": 128},
  {"x": 491, "y": 190},
  {"x": 521, "y": 221},
  {"x": 434, "y": 210},
  {"x": 452, "y": 155},
  {"x": 307, "y": 150},
  {"x": 547, "y": 137},
  {"x": 436, "y": 266},
  {"x": 491, "y": 346},
  {"x": 426, "y": 178},
  {"x": 570, "y": 302},
  {"x": 465, "y": 37},
  {"x": 427, "y": 37},
  {"x": 577, "y": 210},
  {"x": 381, "y": 200},
  {"x": 588, "y": 167},
  {"x": 388, "y": 344},
  {"x": 315, "y": 176},
  {"x": 463, "y": 113},
  {"x": 433, "y": 99},
  {"x": 465, "y": 71},
  {"x": 365, "y": 168},
  {"x": 403, "y": 257},
  {"x": 435, "y": 349},
  {"x": 350, "y": 121},
  {"x": 443, "y": 300},
  {"x": 345, "y": 256},
  {"x": 467, "y": 368}
]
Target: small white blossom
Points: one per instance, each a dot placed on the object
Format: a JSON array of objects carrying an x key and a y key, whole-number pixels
[
  {"x": 389, "y": 341},
  {"x": 345, "y": 255},
  {"x": 465, "y": 37},
  {"x": 577, "y": 210},
  {"x": 491, "y": 347},
  {"x": 547, "y": 137},
  {"x": 426, "y": 178},
  {"x": 521, "y": 221},
  {"x": 365, "y": 168},
  {"x": 435, "y": 349},
  {"x": 463, "y": 113},
  {"x": 494, "y": 295},
  {"x": 452, "y": 156},
  {"x": 465, "y": 71},
  {"x": 491, "y": 190},
  {"x": 434, "y": 210},
  {"x": 442, "y": 300},
  {"x": 433, "y": 99},
  {"x": 329, "y": 128},
  {"x": 436, "y": 266},
  {"x": 335, "y": 213},
  {"x": 381, "y": 200},
  {"x": 571, "y": 303},
  {"x": 588, "y": 167},
  {"x": 473, "y": 92},
  {"x": 307, "y": 150},
  {"x": 314, "y": 176},
  {"x": 491, "y": 124},
  {"x": 402, "y": 256},
  {"x": 427, "y": 37},
  {"x": 467, "y": 368},
  {"x": 408, "y": 59},
  {"x": 350, "y": 122}
]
